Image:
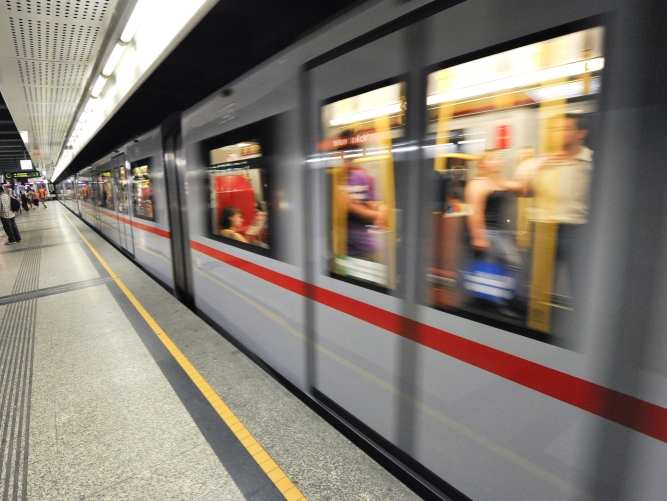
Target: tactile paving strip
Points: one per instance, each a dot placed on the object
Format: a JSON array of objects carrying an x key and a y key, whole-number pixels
[{"x": 17, "y": 339}]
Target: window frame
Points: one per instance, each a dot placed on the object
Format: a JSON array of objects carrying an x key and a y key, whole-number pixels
[{"x": 263, "y": 132}]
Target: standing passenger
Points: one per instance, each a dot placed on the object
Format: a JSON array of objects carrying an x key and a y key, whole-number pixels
[
  {"x": 7, "y": 216},
  {"x": 24, "y": 201},
  {"x": 567, "y": 177},
  {"x": 42, "y": 196},
  {"x": 35, "y": 200},
  {"x": 489, "y": 195}
]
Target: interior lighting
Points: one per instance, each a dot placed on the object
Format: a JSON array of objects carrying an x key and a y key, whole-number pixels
[
  {"x": 366, "y": 115},
  {"x": 114, "y": 58},
  {"x": 518, "y": 81},
  {"x": 24, "y": 136},
  {"x": 99, "y": 85},
  {"x": 404, "y": 149},
  {"x": 377, "y": 153},
  {"x": 133, "y": 23},
  {"x": 563, "y": 91}
]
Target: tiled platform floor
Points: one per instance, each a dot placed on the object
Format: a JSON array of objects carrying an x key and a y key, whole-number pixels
[{"x": 94, "y": 407}]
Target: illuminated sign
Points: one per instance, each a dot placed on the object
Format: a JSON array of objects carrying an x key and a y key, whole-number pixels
[{"x": 21, "y": 175}]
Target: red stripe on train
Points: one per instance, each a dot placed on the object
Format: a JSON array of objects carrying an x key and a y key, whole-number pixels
[
  {"x": 639, "y": 415},
  {"x": 141, "y": 226}
]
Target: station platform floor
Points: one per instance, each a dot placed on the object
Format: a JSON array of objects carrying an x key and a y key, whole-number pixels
[{"x": 113, "y": 390}]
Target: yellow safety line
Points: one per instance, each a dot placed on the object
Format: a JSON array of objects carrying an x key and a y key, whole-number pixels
[{"x": 268, "y": 465}]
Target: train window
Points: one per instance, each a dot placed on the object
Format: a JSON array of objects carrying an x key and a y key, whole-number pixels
[
  {"x": 105, "y": 191},
  {"x": 142, "y": 200},
  {"x": 239, "y": 182},
  {"x": 359, "y": 136},
  {"x": 510, "y": 138}
]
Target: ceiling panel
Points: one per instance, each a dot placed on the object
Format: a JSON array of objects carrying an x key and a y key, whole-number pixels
[{"x": 47, "y": 51}]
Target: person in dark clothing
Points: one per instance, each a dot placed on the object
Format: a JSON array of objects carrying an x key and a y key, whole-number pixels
[
  {"x": 24, "y": 201},
  {"x": 7, "y": 216}
]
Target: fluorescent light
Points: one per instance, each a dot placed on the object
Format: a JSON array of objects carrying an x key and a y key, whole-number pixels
[
  {"x": 517, "y": 81},
  {"x": 366, "y": 115},
  {"x": 24, "y": 136},
  {"x": 134, "y": 22},
  {"x": 112, "y": 62},
  {"x": 99, "y": 85},
  {"x": 404, "y": 149},
  {"x": 563, "y": 91},
  {"x": 26, "y": 164}
]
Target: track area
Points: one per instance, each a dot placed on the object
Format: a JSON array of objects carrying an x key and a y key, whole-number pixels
[{"x": 112, "y": 389}]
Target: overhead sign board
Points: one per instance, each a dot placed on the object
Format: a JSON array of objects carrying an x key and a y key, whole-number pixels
[{"x": 22, "y": 175}]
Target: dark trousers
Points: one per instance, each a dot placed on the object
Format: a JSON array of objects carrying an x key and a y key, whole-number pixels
[{"x": 9, "y": 225}]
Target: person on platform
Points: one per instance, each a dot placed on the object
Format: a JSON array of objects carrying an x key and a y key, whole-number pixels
[
  {"x": 42, "y": 196},
  {"x": 232, "y": 222},
  {"x": 35, "y": 200},
  {"x": 7, "y": 216},
  {"x": 24, "y": 201}
]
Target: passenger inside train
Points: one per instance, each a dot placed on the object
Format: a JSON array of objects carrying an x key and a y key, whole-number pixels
[
  {"x": 531, "y": 106},
  {"x": 232, "y": 222}
]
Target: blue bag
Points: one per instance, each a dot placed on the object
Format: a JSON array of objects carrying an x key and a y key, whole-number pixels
[{"x": 489, "y": 281}]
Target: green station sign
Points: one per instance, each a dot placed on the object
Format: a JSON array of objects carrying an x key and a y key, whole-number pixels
[{"x": 22, "y": 175}]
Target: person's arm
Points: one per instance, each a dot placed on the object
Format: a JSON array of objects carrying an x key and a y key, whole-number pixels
[
  {"x": 517, "y": 187},
  {"x": 368, "y": 212},
  {"x": 476, "y": 195}
]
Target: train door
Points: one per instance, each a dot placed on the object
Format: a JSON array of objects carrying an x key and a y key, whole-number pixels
[
  {"x": 124, "y": 185},
  {"x": 77, "y": 194},
  {"x": 175, "y": 174},
  {"x": 363, "y": 142},
  {"x": 121, "y": 187}
]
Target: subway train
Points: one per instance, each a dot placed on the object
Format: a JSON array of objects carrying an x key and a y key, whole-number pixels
[{"x": 441, "y": 223}]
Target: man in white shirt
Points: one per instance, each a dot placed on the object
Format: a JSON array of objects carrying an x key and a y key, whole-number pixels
[
  {"x": 561, "y": 184},
  {"x": 7, "y": 217}
]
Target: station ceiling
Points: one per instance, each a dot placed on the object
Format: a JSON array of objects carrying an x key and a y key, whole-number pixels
[
  {"x": 12, "y": 148},
  {"x": 234, "y": 37}
]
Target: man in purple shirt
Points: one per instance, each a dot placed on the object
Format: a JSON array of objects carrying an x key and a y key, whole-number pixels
[{"x": 363, "y": 211}]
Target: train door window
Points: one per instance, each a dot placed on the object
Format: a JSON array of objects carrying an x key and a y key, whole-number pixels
[
  {"x": 105, "y": 191},
  {"x": 142, "y": 202},
  {"x": 359, "y": 138},
  {"x": 239, "y": 186},
  {"x": 123, "y": 205},
  {"x": 512, "y": 154},
  {"x": 83, "y": 191}
]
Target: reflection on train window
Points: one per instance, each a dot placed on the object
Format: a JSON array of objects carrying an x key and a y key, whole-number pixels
[
  {"x": 359, "y": 135},
  {"x": 83, "y": 190},
  {"x": 238, "y": 181},
  {"x": 143, "y": 196},
  {"x": 510, "y": 140},
  {"x": 105, "y": 191}
]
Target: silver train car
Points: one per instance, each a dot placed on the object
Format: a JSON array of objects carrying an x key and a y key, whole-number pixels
[{"x": 442, "y": 224}]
